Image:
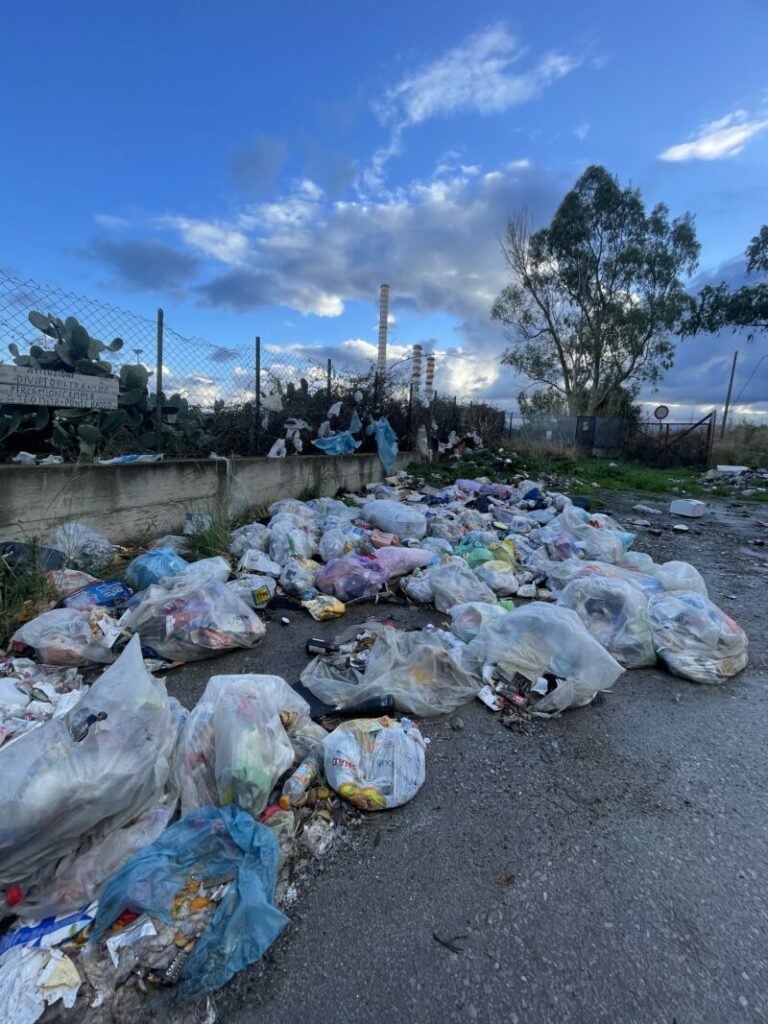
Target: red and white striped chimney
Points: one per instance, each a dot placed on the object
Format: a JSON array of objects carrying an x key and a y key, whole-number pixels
[
  {"x": 429, "y": 388},
  {"x": 416, "y": 375}
]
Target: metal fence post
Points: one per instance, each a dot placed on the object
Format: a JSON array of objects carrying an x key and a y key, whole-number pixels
[
  {"x": 159, "y": 385},
  {"x": 257, "y": 395}
]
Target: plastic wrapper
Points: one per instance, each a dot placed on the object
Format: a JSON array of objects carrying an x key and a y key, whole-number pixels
[
  {"x": 192, "y": 622},
  {"x": 101, "y": 594},
  {"x": 254, "y": 535},
  {"x": 499, "y": 576},
  {"x": 153, "y": 566},
  {"x": 468, "y": 619},
  {"x": 67, "y": 581},
  {"x": 82, "y": 776},
  {"x": 569, "y": 536},
  {"x": 401, "y": 561},
  {"x": 544, "y": 639},
  {"x": 256, "y": 591},
  {"x": 421, "y": 669},
  {"x": 235, "y": 744},
  {"x": 394, "y": 517},
  {"x": 66, "y": 636},
  {"x": 695, "y": 639},
  {"x": 351, "y": 577},
  {"x": 34, "y": 982},
  {"x": 254, "y": 560},
  {"x": 453, "y": 582},
  {"x": 298, "y": 579},
  {"x": 616, "y": 614},
  {"x": 375, "y": 763},
  {"x": 324, "y": 607},
  {"x": 212, "y": 843},
  {"x": 681, "y": 576},
  {"x": 83, "y": 548}
]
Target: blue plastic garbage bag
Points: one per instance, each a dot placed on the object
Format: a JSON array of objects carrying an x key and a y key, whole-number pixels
[
  {"x": 355, "y": 423},
  {"x": 339, "y": 444},
  {"x": 386, "y": 442},
  {"x": 207, "y": 843},
  {"x": 154, "y": 566}
]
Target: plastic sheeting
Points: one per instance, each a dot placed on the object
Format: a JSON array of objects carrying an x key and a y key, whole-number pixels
[{"x": 468, "y": 619}]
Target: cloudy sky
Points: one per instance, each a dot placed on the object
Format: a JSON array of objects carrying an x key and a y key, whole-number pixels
[{"x": 261, "y": 168}]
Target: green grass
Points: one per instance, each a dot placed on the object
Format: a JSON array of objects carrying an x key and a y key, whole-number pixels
[
  {"x": 213, "y": 540},
  {"x": 21, "y": 584}
]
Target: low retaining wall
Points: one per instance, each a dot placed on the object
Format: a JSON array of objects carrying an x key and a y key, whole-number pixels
[{"x": 130, "y": 501}]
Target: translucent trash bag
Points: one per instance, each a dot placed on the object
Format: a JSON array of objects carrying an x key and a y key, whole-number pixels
[
  {"x": 351, "y": 577},
  {"x": 468, "y": 619},
  {"x": 68, "y": 636},
  {"x": 695, "y": 639},
  {"x": 401, "y": 561},
  {"x": 254, "y": 535},
  {"x": 153, "y": 566},
  {"x": 499, "y": 576},
  {"x": 404, "y": 521},
  {"x": 83, "y": 548},
  {"x": 616, "y": 615},
  {"x": 453, "y": 582},
  {"x": 681, "y": 576}
]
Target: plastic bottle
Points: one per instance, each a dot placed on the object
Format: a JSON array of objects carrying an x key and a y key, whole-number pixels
[{"x": 297, "y": 785}]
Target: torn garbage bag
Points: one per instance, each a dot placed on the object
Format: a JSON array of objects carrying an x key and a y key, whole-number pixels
[
  {"x": 351, "y": 577},
  {"x": 545, "y": 640},
  {"x": 375, "y": 763},
  {"x": 193, "y": 621},
  {"x": 421, "y": 669},
  {"x": 210, "y": 848},
  {"x": 82, "y": 776},
  {"x": 616, "y": 614},
  {"x": 234, "y": 745},
  {"x": 67, "y": 636},
  {"x": 695, "y": 639}
]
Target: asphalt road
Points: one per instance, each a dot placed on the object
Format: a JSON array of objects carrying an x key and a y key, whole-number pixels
[{"x": 609, "y": 866}]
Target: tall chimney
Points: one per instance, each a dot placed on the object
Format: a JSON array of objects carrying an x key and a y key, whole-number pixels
[
  {"x": 429, "y": 388},
  {"x": 416, "y": 376},
  {"x": 381, "y": 362}
]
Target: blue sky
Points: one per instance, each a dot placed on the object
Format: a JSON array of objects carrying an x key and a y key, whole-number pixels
[{"x": 261, "y": 168}]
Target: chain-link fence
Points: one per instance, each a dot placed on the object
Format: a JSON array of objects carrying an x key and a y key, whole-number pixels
[{"x": 233, "y": 398}]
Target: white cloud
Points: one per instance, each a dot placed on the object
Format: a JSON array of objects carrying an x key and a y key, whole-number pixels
[
  {"x": 109, "y": 220},
  {"x": 581, "y": 131},
  {"x": 221, "y": 241},
  {"x": 719, "y": 139}
]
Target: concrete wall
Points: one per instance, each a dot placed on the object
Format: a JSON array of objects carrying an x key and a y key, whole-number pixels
[{"x": 131, "y": 501}]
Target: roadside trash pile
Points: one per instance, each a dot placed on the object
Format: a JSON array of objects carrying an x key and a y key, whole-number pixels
[
  {"x": 739, "y": 479},
  {"x": 148, "y": 848}
]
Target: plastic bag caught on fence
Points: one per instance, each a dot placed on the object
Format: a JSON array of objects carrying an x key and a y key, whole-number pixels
[
  {"x": 67, "y": 636},
  {"x": 83, "y": 548},
  {"x": 468, "y": 619},
  {"x": 695, "y": 639},
  {"x": 193, "y": 621},
  {"x": 234, "y": 745},
  {"x": 401, "y": 561},
  {"x": 339, "y": 444},
  {"x": 253, "y": 536},
  {"x": 256, "y": 591},
  {"x": 88, "y": 773},
  {"x": 375, "y": 763},
  {"x": 395, "y": 517},
  {"x": 681, "y": 576},
  {"x": 453, "y": 582},
  {"x": 616, "y": 614},
  {"x": 386, "y": 443},
  {"x": 153, "y": 566},
  {"x": 544, "y": 639},
  {"x": 351, "y": 577},
  {"x": 421, "y": 669},
  {"x": 207, "y": 845}
]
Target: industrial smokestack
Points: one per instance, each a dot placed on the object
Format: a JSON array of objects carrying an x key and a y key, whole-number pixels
[
  {"x": 381, "y": 362},
  {"x": 429, "y": 388},
  {"x": 416, "y": 375}
]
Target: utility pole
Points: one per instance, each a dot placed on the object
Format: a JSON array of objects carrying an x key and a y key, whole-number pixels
[{"x": 728, "y": 396}]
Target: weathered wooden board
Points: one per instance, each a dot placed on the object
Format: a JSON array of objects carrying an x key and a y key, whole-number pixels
[{"x": 20, "y": 385}]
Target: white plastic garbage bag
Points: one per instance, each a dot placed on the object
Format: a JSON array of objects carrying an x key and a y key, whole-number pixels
[
  {"x": 375, "y": 763},
  {"x": 235, "y": 744},
  {"x": 255, "y": 590},
  {"x": 499, "y": 576},
  {"x": 544, "y": 639},
  {"x": 217, "y": 568},
  {"x": 569, "y": 536},
  {"x": 66, "y": 636},
  {"x": 695, "y": 639},
  {"x": 84, "y": 775},
  {"x": 453, "y": 582},
  {"x": 681, "y": 576},
  {"x": 289, "y": 539},
  {"x": 616, "y": 615},
  {"x": 254, "y": 560},
  {"x": 83, "y": 548},
  {"x": 393, "y": 517},
  {"x": 193, "y": 621},
  {"x": 401, "y": 561},
  {"x": 253, "y": 536},
  {"x": 421, "y": 669},
  {"x": 418, "y": 587},
  {"x": 468, "y": 619}
]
